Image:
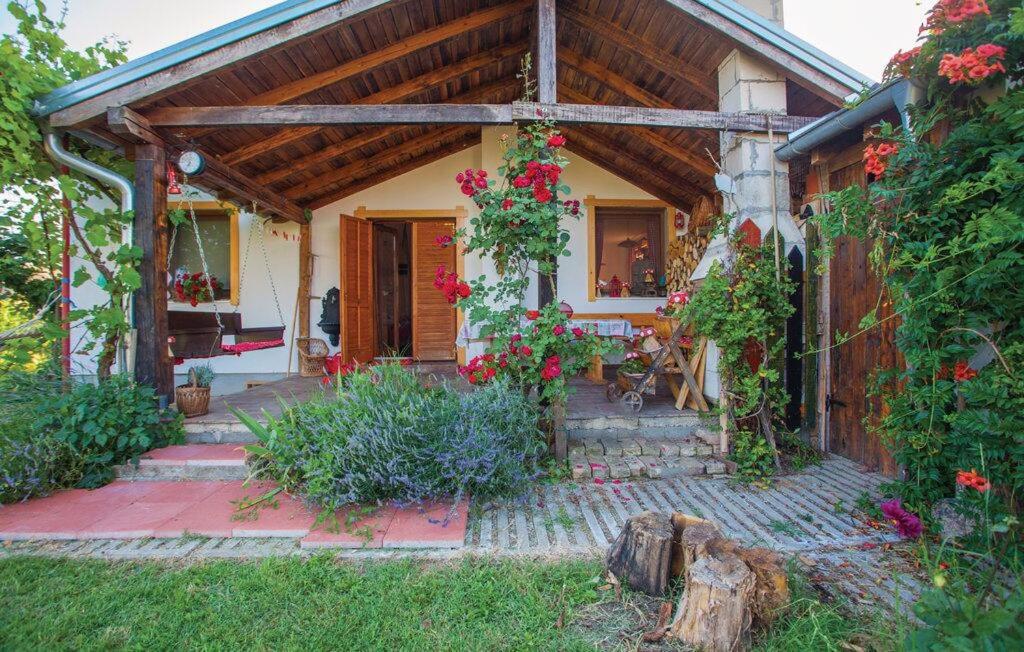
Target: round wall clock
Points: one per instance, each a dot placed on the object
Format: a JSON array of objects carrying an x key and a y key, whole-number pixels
[{"x": 191, "y": 162}]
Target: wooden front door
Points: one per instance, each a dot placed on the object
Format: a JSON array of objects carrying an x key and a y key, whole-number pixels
[
  {"x": 357, "y": 330},
  {"x": 433, "y": 318},
  {"x": 855, "y": 290}
]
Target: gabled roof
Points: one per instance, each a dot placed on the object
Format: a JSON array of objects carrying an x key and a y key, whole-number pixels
[{"x": 726, "y": 15}]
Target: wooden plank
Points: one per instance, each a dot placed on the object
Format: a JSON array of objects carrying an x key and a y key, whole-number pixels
[
  {"x": 305, "y": 277},
  {"x": 329, "y": 114},
  {"x": 397, "y": 93},
  {"x": 602, "y": 75},
  {"x": 206, "y": 64},
  {"x": 132, "y": 127},
  {"x": 152, "y": 365},
  {"x": 350, "y": 145},
  {"x": 546, "y": 63},
  {"x": 656, "y": 117},
  {"x": 814, "y": 80},
  {"x": 402, "y": 48},
  {"x": 387, "y": 156},
  {"x": 700, "y": 162},
  {"x": 374, "y": 178},
  {"x": 705, "y": 83}
]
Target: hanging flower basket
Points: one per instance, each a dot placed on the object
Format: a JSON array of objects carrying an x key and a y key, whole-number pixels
[{"x": 194, "y": 288}]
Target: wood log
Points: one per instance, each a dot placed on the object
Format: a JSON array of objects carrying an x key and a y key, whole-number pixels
[
  {"x": 641, "y": 555},
  {"x": 771, "y": 591},
  {"x": 714, "y": 611},
  {"x": 680, "y": 522}
]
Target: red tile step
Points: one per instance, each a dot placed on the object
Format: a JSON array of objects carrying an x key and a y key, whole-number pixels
[
  {"x": 168, "y": 509},
  {"x": 189, "y": 462}
]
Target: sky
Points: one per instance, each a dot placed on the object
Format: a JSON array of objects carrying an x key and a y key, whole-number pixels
[{"x": 849, "y": 30}]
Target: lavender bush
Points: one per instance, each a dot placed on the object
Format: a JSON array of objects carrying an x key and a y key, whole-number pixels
[
  {"x": 32, "y": 462},
  {"x": 382, "y": 436}
]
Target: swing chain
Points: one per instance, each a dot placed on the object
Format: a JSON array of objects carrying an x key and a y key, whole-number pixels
[{"x": 266, "y": 262}]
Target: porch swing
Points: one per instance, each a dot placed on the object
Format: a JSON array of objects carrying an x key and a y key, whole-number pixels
[{"x": 209, "y": 334}]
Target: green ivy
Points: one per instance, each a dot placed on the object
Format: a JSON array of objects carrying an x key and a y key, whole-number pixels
[{"x": 947, "y": 223}]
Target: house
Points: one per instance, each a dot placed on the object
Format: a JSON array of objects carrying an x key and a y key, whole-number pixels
[{"x": 346, "y": 121}]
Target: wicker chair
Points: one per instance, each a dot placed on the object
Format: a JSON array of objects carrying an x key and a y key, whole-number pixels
[{"x": 312, "y": 354}]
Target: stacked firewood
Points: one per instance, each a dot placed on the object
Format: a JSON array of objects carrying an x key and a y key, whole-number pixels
[
  {"x": 685, "y": 253},
  {"x": 729, "y": 591}
]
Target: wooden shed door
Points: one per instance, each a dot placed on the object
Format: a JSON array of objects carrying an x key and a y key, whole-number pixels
[
  {"x": 433, "y": 318},
  {"x": 356, "y": 289},
  {"x": 854, "y": 293}
]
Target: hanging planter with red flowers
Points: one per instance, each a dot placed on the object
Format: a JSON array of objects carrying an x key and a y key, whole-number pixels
[{"x": 196, "y": 288}]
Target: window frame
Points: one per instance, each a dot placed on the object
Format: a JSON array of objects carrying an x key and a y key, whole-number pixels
[
  {"x": 216, "y": 209},
  {"x": 592, "y": 203}
]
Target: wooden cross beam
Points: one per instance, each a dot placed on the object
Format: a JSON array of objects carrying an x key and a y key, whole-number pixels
[
  {"x": 546, "y": 63},
  {"x": 135, "y": 128},
  {"x": 478, "y": 114}
]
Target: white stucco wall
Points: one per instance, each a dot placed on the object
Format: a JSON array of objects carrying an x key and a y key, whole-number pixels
[{"x": 430, "y": 187}]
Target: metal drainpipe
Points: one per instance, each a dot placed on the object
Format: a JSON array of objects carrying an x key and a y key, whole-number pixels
[{"x": 55, "y": 150}]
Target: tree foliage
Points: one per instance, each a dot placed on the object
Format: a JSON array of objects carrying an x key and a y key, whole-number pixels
[{"x": 35, "y": 60}]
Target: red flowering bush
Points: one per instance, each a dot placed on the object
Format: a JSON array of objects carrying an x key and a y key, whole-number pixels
[
  {"x": 962, "y": 371},
  {"x": 973, "y": 480},
  {"x": 973, "y": 65},
  {"x": 876, "y": 159},
  {"x": 450, "y": 285},
  {"x": 196, "y": 288},
  {"x": 902, "y": 63},
  {"x": 947, "y": 13}
]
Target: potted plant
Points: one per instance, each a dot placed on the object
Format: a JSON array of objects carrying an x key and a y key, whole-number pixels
[
  {"x": 630, "y": 371},
  {"x": 193, "y": 398},
  {"x": 195, "y": 288},
  {"x": 668, "y": 317}
]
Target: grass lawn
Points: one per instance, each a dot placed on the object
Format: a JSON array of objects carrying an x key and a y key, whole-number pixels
[{"x": 321, "y": 603}]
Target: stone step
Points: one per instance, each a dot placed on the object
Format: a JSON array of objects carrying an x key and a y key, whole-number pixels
[
  {"x": 188, "y": 462},
  {"x": 682, "y": 422},
  {"x": 229, "y": 432},
  {"x": 622, "y": 457}
]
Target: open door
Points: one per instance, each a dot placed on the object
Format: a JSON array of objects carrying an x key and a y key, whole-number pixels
[
  {"x": 433, "y": 318},
  {"x": 356, "y": 305}
]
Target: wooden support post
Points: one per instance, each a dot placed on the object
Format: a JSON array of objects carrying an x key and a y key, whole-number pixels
[
  {"x": 547, "y": 45},
  {"x": 305, "y": 277},
  {"x": 152, "y": 363}
]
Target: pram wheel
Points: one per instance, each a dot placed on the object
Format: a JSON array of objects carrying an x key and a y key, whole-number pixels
[
  {"x": 613, "y": 392},
  {"x": 633, "y": 400}
]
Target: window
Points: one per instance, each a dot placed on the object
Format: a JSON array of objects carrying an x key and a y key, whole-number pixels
[
  {"x": 629, "y": 252},
  {"x": 218, "y": 230}
]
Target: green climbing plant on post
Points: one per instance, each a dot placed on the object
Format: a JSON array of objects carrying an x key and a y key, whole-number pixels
[{"x": 742, "y": 306}]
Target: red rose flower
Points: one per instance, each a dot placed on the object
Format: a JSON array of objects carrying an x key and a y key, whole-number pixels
[
  {"x": 558, "y": 329},
  {"x": 532, "y": 314},
  {"x": 507, "y": 204},
  {"x": 527, "y": 350},
  {"x": 577, "y": 331},
  {"x": 556, "y": 140},
  {"x": 520, "y": 182}
]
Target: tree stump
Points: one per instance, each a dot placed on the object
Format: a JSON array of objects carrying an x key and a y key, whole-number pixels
[
  {"x": 771, "y": 591},
  {"x": 714, "y": 611},
  {"x": 641, "y": 555}
]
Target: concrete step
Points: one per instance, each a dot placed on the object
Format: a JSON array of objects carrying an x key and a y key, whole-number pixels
[
  {"x": 188, "y": 462},
  {"x": 228, "y": 432},
  {"x": 682, "y": 422},
  {"x": 631, "y": 457}
]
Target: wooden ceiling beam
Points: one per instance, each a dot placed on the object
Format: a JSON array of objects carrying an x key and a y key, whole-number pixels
[
  {"x": 546, "y": 65},
  {"x": 477, "y": 114},
  {"x": 396, "y": 93},
  {"x": 350, "y": 145},
  {"x": 595, "y": 148},
  {"x": 704, "y": 83},
  {"x": 616, "y": 82},
  {"x": 671, "y": 149},
  {"x": 217, "y": 174},
  {"x": 404, "y": 47},
  {"x": 329, "y": 115},
  {"x": 606, "y": 144},
  {"x": 368, "y": 181},
  {"x": 642, "y": 116},
  {"x": 390, "y": 154}
]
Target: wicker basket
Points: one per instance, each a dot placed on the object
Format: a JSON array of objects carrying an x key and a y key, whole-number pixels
[
  {"x": 312, "y": 354},
  {"x": 191, "y": 399}
]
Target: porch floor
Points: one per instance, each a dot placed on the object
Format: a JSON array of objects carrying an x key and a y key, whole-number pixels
[{"x": 587, "y": 400}]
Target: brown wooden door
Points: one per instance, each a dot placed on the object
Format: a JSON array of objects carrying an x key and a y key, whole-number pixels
[
  {"x": 356, "y": 253},
  {"x": 855, "y": 290},
  {"x": 433, "y": 318}
]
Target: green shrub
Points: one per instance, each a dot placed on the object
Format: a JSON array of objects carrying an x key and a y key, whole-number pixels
[
  {"x": 32, "y": 462},
  {"x": 755, "y": 461},
  {"x": 383, "y": 436},
  {"x": 109, "y": 423}
]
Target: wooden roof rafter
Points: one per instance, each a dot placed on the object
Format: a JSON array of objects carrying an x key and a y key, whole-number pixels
[
  {"x": 470, "y": 138},
  {"x": 353, "y": 143}
]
